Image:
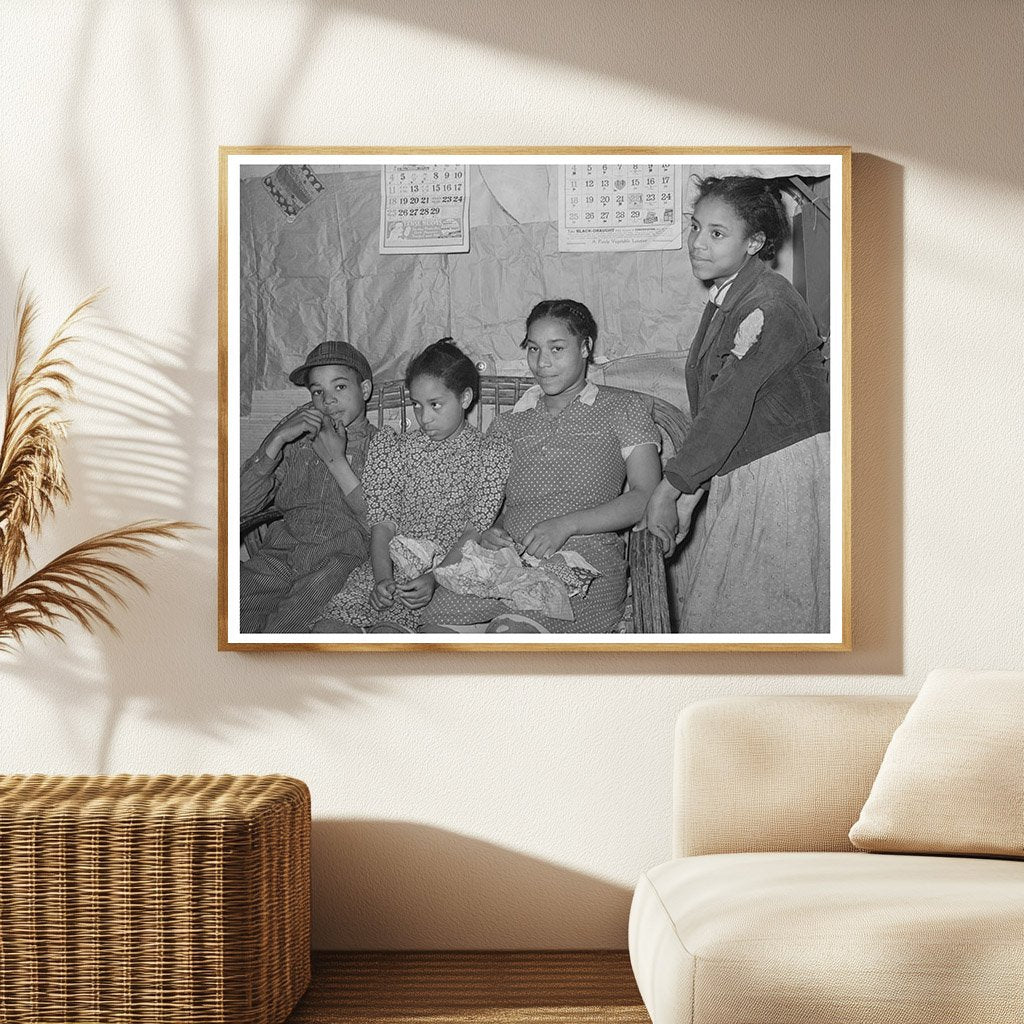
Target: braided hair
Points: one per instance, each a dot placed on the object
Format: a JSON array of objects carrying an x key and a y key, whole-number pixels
[
  {"x": 757, "y": 202},
  {"x": 449, "y": 364},
  {"x": 576, "y": 317}
]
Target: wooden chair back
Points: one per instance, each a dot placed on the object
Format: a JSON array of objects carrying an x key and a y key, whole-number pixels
[{"x": 497, "y": 395}]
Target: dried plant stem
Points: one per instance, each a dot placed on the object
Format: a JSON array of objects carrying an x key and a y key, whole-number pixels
[
  {"x": 32, "y": 476},
  {"x": 80, "y": 584}
]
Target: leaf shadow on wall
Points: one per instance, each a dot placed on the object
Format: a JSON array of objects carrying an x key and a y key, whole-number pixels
[
  {"x": 129, "y": 458},
  {"x": 404, "y": 885},
  {"x": 160, "y": 391},
  {"x": 152, "y": 390},
  {"x": 147, "y": 447}
]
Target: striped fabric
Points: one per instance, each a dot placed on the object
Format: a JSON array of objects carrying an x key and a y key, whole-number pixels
[{"x": 308, "y": 554}]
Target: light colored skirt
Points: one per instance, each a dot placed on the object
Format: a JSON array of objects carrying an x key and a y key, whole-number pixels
[{"x": 757, "y": 557}]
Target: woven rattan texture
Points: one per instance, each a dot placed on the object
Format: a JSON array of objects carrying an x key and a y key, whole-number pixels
[{"x": 144, "y": 899}]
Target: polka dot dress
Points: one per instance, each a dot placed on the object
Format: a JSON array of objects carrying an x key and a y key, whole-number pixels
[{"x": 561, "y": 464}]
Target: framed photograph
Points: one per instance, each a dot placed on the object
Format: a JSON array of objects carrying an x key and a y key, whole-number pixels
[{"x": 499, "y": 399}]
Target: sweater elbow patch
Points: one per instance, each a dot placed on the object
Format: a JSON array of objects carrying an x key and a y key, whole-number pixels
[{"x": 747, "y": 333}]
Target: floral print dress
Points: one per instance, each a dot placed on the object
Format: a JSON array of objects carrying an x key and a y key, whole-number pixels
[{"x": 428, "y": 490}]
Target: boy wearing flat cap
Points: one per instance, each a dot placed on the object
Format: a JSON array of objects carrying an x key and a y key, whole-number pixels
[{"x": 308, "y": 468}]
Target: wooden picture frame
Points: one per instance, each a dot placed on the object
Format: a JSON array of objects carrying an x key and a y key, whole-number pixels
[{"x": 319, "y": 245}]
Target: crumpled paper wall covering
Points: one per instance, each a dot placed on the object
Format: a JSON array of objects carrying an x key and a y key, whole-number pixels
[{"x": 321, "y": 277}]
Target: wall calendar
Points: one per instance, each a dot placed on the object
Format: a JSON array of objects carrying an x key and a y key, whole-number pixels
[
  {"x": 424, "y": 208},
  {"x": 606, "y": 207}
]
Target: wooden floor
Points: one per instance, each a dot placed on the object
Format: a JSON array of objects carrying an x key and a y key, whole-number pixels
[{"x": 472, "y": 988}]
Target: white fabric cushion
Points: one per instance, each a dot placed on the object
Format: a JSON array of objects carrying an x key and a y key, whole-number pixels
[
  {"x": 789, "y": 773},
  {"x": 830, "y": 938},
  {"x": 951, "y": 780}
]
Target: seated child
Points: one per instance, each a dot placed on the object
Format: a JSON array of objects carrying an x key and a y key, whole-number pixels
[
  {"x": 309, "y": 468},
  {"x": 442, "y": 484}
]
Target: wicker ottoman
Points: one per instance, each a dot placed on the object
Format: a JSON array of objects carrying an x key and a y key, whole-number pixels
[{"x": 172, "y": 899}]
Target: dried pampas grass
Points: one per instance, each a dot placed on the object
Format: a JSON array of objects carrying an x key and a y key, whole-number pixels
[{"x": 83, "y": 583}]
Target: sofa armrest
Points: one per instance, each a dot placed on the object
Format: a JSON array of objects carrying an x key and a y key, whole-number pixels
[{"x": 777, "y": 773}]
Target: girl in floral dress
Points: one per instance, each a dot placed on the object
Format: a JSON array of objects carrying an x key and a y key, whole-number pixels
[{"x": 442, "y": 484}]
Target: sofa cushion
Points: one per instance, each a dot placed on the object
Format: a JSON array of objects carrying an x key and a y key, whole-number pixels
[
  {"x": 833, "y": 938},
  {"x": 950, "y": 781},
  {"x": 777, "y": 772}
]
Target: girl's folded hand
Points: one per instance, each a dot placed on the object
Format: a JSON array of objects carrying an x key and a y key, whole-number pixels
[
  {"x": 662, "y": 519},
  {"x": 547, "y": 537},
  {"x": 418, "y": 592},
  {"x": 383, "y": 595},
  {"x": 496, "y": 538}
]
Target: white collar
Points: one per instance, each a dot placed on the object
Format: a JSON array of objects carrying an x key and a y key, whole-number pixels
[
  {"x": 717, "y": 292},
  {"x": 534, "y": 394}
]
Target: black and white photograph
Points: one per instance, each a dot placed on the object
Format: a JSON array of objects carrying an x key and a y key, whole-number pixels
[{"x": 513, "y": 399}]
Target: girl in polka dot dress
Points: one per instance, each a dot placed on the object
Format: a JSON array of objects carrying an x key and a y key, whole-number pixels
[
  {"x": 574, "y": 446},
  {"x": 443, "y": 483}
]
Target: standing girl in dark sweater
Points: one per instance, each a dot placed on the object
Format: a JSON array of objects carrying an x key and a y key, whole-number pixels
[{"x": 756, "y": 558}]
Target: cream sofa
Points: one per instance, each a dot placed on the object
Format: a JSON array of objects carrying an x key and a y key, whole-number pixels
[{"x": 768, "y": 915}]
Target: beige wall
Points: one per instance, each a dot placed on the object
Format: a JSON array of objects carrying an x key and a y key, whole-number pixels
[{"x": 470, "y": 799}]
